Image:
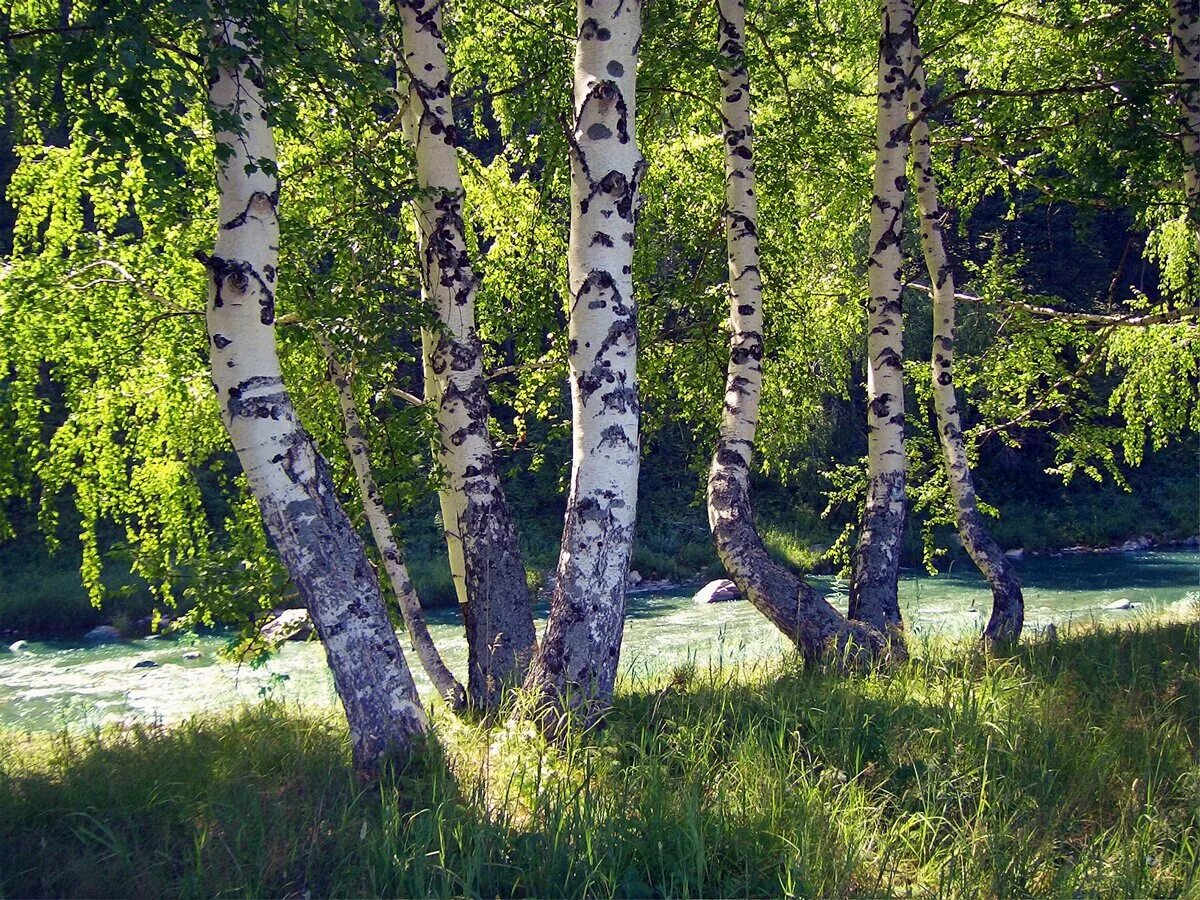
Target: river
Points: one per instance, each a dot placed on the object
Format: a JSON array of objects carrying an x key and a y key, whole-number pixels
[{"x": 51, "y": 685}]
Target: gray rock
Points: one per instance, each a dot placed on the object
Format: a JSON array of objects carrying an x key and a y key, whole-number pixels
[
  {"x": 1016, "y": 554},
  {"x": 18, "y": 646},
  {"x": 1137, "y": 544},
  {"x": 717, "y": 592},
  {"x": 634, "y": 578},
  {"x": 289, "y": 625},
  {"x": 145, "y": 664},
  {"x": 1123, "y": 603},
  {"x": 192, "y": 654},
  {"x": 102, "y": 634}
]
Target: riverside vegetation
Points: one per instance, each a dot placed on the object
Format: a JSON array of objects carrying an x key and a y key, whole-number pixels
[{"x": 1066, "y": 767}]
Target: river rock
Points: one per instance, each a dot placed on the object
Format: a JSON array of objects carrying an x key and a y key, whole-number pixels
[
  {"x": 102, "y": 634},
  {"x": 145, "y": 664},
  {"x": 717, "y": 592},
  {"x": 634, "y": 578},
  {"x": 289, "y": 625},
  {"x": 17, "y": 646},
  {"x": 1016, "y": 554},
  {"x": 192, "y": 654},
  {"x": 1137, "y": 544},
  {"x": 1123, "y": 603}
]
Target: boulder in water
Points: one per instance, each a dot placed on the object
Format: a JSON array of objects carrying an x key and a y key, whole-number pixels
[
  {"x": 192, "y": 654},
  {"x": 17, "y": 646},
  {"x": 717, "y": 592},
  {"x": 1123, "y": 603},
  {"x": 634, "y": 578},
  {"x": 102, "y": 634},
  {"x": 1016, "y": 554},
  {"x": 145, "y": 664},
  {"x": 289, "y": 625}
]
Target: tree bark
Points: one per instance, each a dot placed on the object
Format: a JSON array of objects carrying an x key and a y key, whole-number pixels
[
  {"x": 819, "y": 630},
  {"x": 577, "y": 664},
  {"x": 287, "y": 476},
  {"x": 497, "y": 612},
  {"x": 1008, "y": 605},
  {"x": 873, "y": 588},
  {"x": 1185, "y": 47},
  {"x": 442, "y": 678}
]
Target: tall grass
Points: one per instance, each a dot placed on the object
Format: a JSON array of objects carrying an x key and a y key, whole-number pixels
[{"x": 1063, "y": 769}]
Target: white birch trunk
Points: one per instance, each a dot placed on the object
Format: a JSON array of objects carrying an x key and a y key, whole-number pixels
[
  {"x": 497, "y": 611},
  {"x": 442, "y": 678},
  {"x": 288, "y": 477},
  {"x": 1185, "y": 47},
  {"x": 873, "y": 589},
  {"x": 448, "y": 498},
  {"x": 820, "y": 631},
  {"x": 578, "y": 658},
  {"x": 1008, "y": 605}
]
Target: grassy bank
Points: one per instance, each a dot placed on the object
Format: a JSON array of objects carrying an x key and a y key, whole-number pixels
[{"x": 1062, "y": 769}]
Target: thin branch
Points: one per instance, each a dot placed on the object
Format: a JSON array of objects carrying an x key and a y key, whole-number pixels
[{"x": 1130, "y": 319}]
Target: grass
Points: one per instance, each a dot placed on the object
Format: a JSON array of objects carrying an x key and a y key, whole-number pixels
[{"x": 1065, "y": 768}]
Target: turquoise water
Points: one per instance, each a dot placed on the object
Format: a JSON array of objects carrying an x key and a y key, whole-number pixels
[{"x": 51, "y": 685}]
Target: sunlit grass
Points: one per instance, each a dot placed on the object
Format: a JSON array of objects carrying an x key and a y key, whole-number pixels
[{"x": 1066, "y": 768}]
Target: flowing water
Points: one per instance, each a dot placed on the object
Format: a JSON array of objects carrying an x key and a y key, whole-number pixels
[{"x": 52, "y": 685}]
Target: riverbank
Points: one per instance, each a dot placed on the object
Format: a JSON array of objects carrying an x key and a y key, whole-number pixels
[{"x": 1065, "y": 768}]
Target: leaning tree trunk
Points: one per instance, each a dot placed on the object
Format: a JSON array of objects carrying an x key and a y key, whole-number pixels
[
  {"x": 385, "y": 540},
  {"x": 578, "y": 659},
  {"x": 1185, "y": 46},
  {"x": 287, "y": 476},
  {"x": 797, "y": 610},
  {"x": 873, "y": 588},
  {"x": 1008, "y": 605},
  {"x": 497, "y": 613}
]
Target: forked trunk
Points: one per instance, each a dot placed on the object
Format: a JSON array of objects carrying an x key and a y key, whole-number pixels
[
  {"x": 797, "y": 610},
  {"x": 287, "y": 476},
  {"x": 1008, "y": 605},
  {"x": 497, "y": 611},
  {"x": 578, "y": 659},
  {"x": 1185, "y": 47},
  {"x": 873, "y": 588},
  {"x": 385, "y": 540}
]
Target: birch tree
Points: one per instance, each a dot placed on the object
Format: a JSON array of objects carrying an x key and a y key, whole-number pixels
[
  {"x": 873, "y": 588},
  {"x": 482, "y": 540},
  {"x": 784, "y": 598},
  {"x": 287, "y": 475},
  {"x": 1008, "y": 604},
  {"x": 376, "y": 514},
  {"x": 1185, "y": 48},
  {"x": 577, "y": 661}
]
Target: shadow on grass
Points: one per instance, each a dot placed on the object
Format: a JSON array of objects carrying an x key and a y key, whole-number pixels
[{"x": 1056, "y": 770}]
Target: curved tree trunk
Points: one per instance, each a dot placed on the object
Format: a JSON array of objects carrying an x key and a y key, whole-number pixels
[
  {"x": 1008, "y": 605},
  {"x": 578, "y": 659},
  {"x": 790, "y": 604},
  {"x": 287, "y": 476},
  {"x": 1185, "y": 47},
  {"x": 497, "y": 612},
  {"x": 873, "y": 589},
  {"x": 381, "y": 530}
]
